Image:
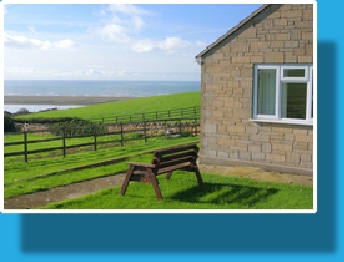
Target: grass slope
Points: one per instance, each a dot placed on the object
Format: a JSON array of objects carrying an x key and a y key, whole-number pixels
[{"x": 127, "y": 107}]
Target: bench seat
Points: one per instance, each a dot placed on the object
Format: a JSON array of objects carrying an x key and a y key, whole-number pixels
[{"x": 165, "y": 160}]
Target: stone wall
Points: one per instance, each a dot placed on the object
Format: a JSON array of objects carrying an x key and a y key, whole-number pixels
[{"x": 280, "y": 34}]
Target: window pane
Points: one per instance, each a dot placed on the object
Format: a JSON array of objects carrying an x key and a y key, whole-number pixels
[
  {"x": 294, "y": 72},
  {"x": 294, "y": 100},
  {"x": 266, "y": 92}
]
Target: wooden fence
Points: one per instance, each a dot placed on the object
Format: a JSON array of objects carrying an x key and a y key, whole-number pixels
[
  {"x": 115, "y": 134},
  {"x": 186, "y": 112}
]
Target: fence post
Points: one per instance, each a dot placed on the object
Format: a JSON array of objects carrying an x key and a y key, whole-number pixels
[
  {"x": 195, "y": 126},
  {"x": 25, "y": 145},
  {"x": 145, "y": 131},
  {"x": 165, "y": 129},
  {"x": 194, "y": 110},
  {"x": 95, "y": 138},
  {"x": 143, "y": 116},
  {"x": 122, "y": 140},
  {"x": 180, "y": 125},
  {"x": 64, "y": 141}
]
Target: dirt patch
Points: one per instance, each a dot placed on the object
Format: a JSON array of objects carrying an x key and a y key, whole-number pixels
[
  {"x": 40, "y": 199},
  {"x": 257, "y": 174}
]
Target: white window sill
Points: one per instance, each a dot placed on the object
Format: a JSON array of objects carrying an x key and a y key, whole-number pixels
[{"x": 284, "y": 121}]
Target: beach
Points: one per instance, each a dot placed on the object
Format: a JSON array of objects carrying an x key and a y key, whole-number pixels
[{"x": 61, "y": 100}]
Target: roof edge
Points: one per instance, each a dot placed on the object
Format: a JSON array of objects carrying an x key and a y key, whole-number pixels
[{"x": 232, "y": 30}]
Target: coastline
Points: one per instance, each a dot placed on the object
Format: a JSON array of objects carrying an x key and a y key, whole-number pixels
[{"x": 61, "y": 100}]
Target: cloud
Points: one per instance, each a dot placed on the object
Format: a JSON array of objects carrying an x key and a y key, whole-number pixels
[
  {"x": 64, "y": 44},
  {"x": 12, "y": 41},
  {"x": 115, "y": 33},
  {"x": 137, "y": 22},
  {"x": 144, "y": 46},
  {"x": 93, "y": 72},
  {"x": 128, "y": 9},
  {"x": 124, "y": 21},
  {"x": 170, "y": 44}
]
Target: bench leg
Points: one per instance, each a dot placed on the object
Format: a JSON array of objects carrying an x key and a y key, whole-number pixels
[
  {"x": 169, "y": 174},
  {"x": 126, "y": 180},
  {"x": 155, "y": 185},
  {"x": 199, "y": 177}
]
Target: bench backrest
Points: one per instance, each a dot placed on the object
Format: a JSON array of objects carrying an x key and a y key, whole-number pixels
[{"x": 177, "y": 157}]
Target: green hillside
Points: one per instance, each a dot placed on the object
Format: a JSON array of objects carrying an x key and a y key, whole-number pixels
[{"x": 126, "y": 107}]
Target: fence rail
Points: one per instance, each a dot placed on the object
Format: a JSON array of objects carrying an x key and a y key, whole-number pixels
[
  {"x": 116, "y": 134},
  {"x": 151, "y": 116}
]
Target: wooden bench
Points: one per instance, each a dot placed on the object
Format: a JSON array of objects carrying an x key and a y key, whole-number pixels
[{"x": 166, "y": 161}]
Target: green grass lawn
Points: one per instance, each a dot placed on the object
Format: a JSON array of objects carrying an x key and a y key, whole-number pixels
[
  {"x": 182, "y": 192},
  {"x": 126, "y": 107},
  {"x": 44, "y": 173}
]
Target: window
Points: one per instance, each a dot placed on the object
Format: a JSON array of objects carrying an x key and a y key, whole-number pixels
[{"x": 283, "y": 93}]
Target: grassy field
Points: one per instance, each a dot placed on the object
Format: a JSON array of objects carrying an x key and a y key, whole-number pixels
[
  {"x": 45, "y": 173},
  {"x": 126, "y": 107},
  {"x": 182, "y": 192}
]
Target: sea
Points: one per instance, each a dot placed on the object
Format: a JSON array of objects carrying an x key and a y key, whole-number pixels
[{"x": 90, "y": 88}]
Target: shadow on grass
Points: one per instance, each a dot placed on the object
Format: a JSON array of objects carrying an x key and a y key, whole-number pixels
[{"x": 223, "y": 193}]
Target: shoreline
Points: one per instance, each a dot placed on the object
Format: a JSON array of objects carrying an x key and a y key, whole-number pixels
[{"x": 61, "y": 100}]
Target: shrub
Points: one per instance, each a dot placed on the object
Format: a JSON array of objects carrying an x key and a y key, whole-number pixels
[
  {"x": 9, "y": 124},
  {"x": 76, "y": 127}
]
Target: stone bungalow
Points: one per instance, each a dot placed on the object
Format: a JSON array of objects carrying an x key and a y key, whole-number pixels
[{"x": 257, "y": 92}]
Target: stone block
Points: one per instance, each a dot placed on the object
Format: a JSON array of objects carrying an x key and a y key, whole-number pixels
[
  {"x": 233, "y": 154},
  {"x": 258, "y": 156},
  {"x": 209, "y": 128},
  {"x": 216, "y": 113},
  {"x": 281, "y": 147},
  {"x": 266, "y": 147},
  {"x": 306, "y": 157},
  {"x": 254, "y": 149},
  {"x": 208, "y": 152},
  {"x": 245, "y": 155},
  {"x": 300, "y": 146},
  {"x": 282, "y": 130},
  {"x": 277, "y": 158},
  {"x": 303, "y": 138},
  {"x": 305, "y": 59},
  {"x": 283, "y": 37},
  {"x": 222, "y": 154},
  {"x": 273, "y": 57},
  {"x": 289, "y": 137},
  {"x": 236, "y": 129}
]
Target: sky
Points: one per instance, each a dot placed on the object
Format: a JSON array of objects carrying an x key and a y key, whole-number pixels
[{"x": 112, "y": 42}]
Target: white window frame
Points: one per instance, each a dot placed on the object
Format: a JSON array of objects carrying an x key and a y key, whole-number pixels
[
  {"x": 308, "y": 78},
  {"x": 296, "y": 79}
]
